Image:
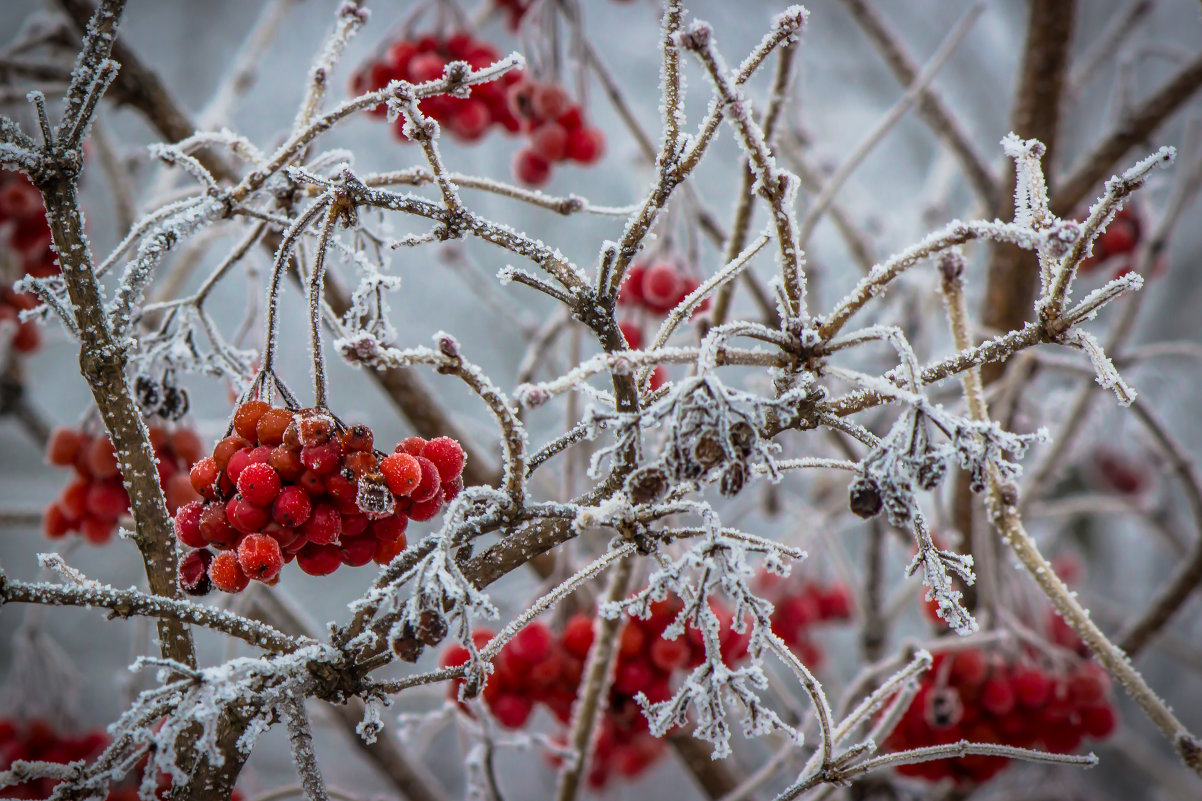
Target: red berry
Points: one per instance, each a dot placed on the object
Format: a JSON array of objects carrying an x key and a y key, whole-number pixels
[
  {"x": 969, "y": 667},
  {"x": 586, "y": 145},
  {"x": 668, "y": 655},
  {"x": 177, "y": 491},
  {"x": 107, "y": 500},
  {"x": 187, "y": 525},
  {"x": 246, "y": 418},
  {"x": 187, "y": 445},
  {"x": 550, "y": 141},
  {"x": 1099, "y": 721},
  {"x": 270, "y": 428},
  {"x": 632, "y": 334},
  {"x": 1032, "y": 687},
  {"x": 193, "y": 572},
  {"x": 287, "y": 462},
  {"x": 471, "y": 120},
  {"x": 97, "y": 531},
  {"x": 402, "y": 472},
  {"x": 259, "y": 484},
  {"x": 510, "y": 710},
  {"x": 102, "y": 459},
  {"x": 226, "y": 449},
  {"x": 357, "y": 439},
  {"x": 451, "y": 489},
  {"x": 323, "y": 525},
  {"x": 55, "y": 522},
  {"x": 447, "y": 456},
  {"x": 260, "y": 557},
  {"x": 631, "y": 292},
  {"x": 661, "y": 286},
  {"x": 63, "y": 446},
  {"x": 215, "y": 526},
  {"x": 578, "y": 635},
  {"x": 245, "y": 516},
  {"x": 1089, "y": 684},
  {"x": 386, "y": 551},
  {"x": 531, "y": 168},
  {"x": 313, "y": 428},
  {"x": 389, "y": 529},
  {"x": 412, "y": 446},
  {"x": 997, "y": 695},
  {"x": 318, "y": 560},
  {"x": 426, "y": 510},
  {"x": 322, "y": 459},
  {"x": 548, "y": 101},
  {"x": 292, "y": 507},
  {"x": 226, "y": 574}
]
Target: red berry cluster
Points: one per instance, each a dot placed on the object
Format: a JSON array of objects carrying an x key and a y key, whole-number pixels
[
  {"x": 984, "y": 698},
  {"x": 95, "y": 499},
  {"x": 292, "y": 484},
  {"x": 538, "y": 667},
  {"x": 556, "y": 128},
  {"x": 38, "y": 741},
  {"x": 800, "y": 605},
  {"x": 25, "y": 234},
  {"x": 1120, "y": 472},
  {"x": 424, "y": 59},
  {"x": 657, "y": 287}
]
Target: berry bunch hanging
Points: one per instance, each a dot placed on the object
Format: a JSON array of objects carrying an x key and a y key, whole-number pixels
[
  {"x": 536, "y": 666},
  {"x": 95, "y": 499},
  {"x": 422, "y": 59},
  {"x": 556, "y": 128},
  {"x": 289, "y": 484},
  {"x": 991, "y": 698},
  {"x": 25, "y": 243}
]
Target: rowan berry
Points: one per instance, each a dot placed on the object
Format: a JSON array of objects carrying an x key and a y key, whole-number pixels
[
  {"x": 193, "y": 572},
  {"x": 260, "y": 557},
  {"x": 226, "y": 573},
  {"x": 259, "y": 484},
  {"x": 246, "y": 418},
  {"x": 187, "y": 525},
  {"x": 447, "y": 456},
  {"x": 401, "y": 471},
  {"x": 318, "y": 560},
  {"x": 323, "y": 525},
  {"x": 291, "y": 507}
]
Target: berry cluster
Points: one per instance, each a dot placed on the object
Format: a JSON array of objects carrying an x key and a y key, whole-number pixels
[
  {"x": 657, "y": 288},
  {"x": 1124, "y": 473},
  {"x": 95, "y": 499},
  {"x": 538, "y": 667},
  {"x": 424, "y": 59},
  {"x": 25, "y": 235},
  {"x": 799, "y": 605},
  {"x": 1117, "y": 241},
  {"x": 294, "y": 484},
  {"x": 38, "y": 741},
  {"x": 556, "y": 128},
  {"x": 984, "y": 698}
]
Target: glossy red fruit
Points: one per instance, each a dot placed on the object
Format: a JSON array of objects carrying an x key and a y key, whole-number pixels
[
  {"x": 426, "y": 510},
  {"x": 997, "y": 695},
  {"x": 356, "y": 551},
  {"x": 401, "y": 472},
  {"x": 187, "y": 525},
  {"x": 1032, "y": 687},
  {"x": 387, "y": 550},
  {"x": 323, "y": 525},
  {"x": 215, "y": 527},
  {"x": 259, "y": 484},
  {"x": 291, "y": 507},
  {"x": 246, "y": 418},
  {"x": 260, "y": 557},
  {"x": 578, "y": 635},
  {"x": 322, "y": 459},
  {"x": 412, "y": 446},
  {"x": 550, "y": 141},
  {"x": 1089, "y": 684},
  {"x": 447, "y": 456},
  {"x": 661, "y": 286},
  {"x": 318, "y": 560},
  {"x": 390, "y": 528},
  {"x": 226, "y": 574},
  {"x": 429, "y": 484},
  {"x": 586, "y": 145}
]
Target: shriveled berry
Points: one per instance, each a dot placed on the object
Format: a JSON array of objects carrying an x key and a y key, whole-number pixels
[
  {"x": 259, "y": 484},
  {"x": 193, "y": 572},
  {"x": 226, "y": 574},
  {"x": 260, "y": 557},
  {"x": 313, "y": 427}
]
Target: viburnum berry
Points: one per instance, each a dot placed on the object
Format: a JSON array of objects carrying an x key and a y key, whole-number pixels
[
  {"x": 187, "y": 525},
  {"x": 292, "y": 506},
  {"x": 447, "y": 456},
  {"x": 260, "y": 557},
  {"x": 402, "y": 472},
  {"x": 246, "y": 418},
  {"x": 318, "y": 560},
  {"x": 531, "y": 167},
  {"x": 259, "y": 484},
  {"x": 226, "y": 573}
]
